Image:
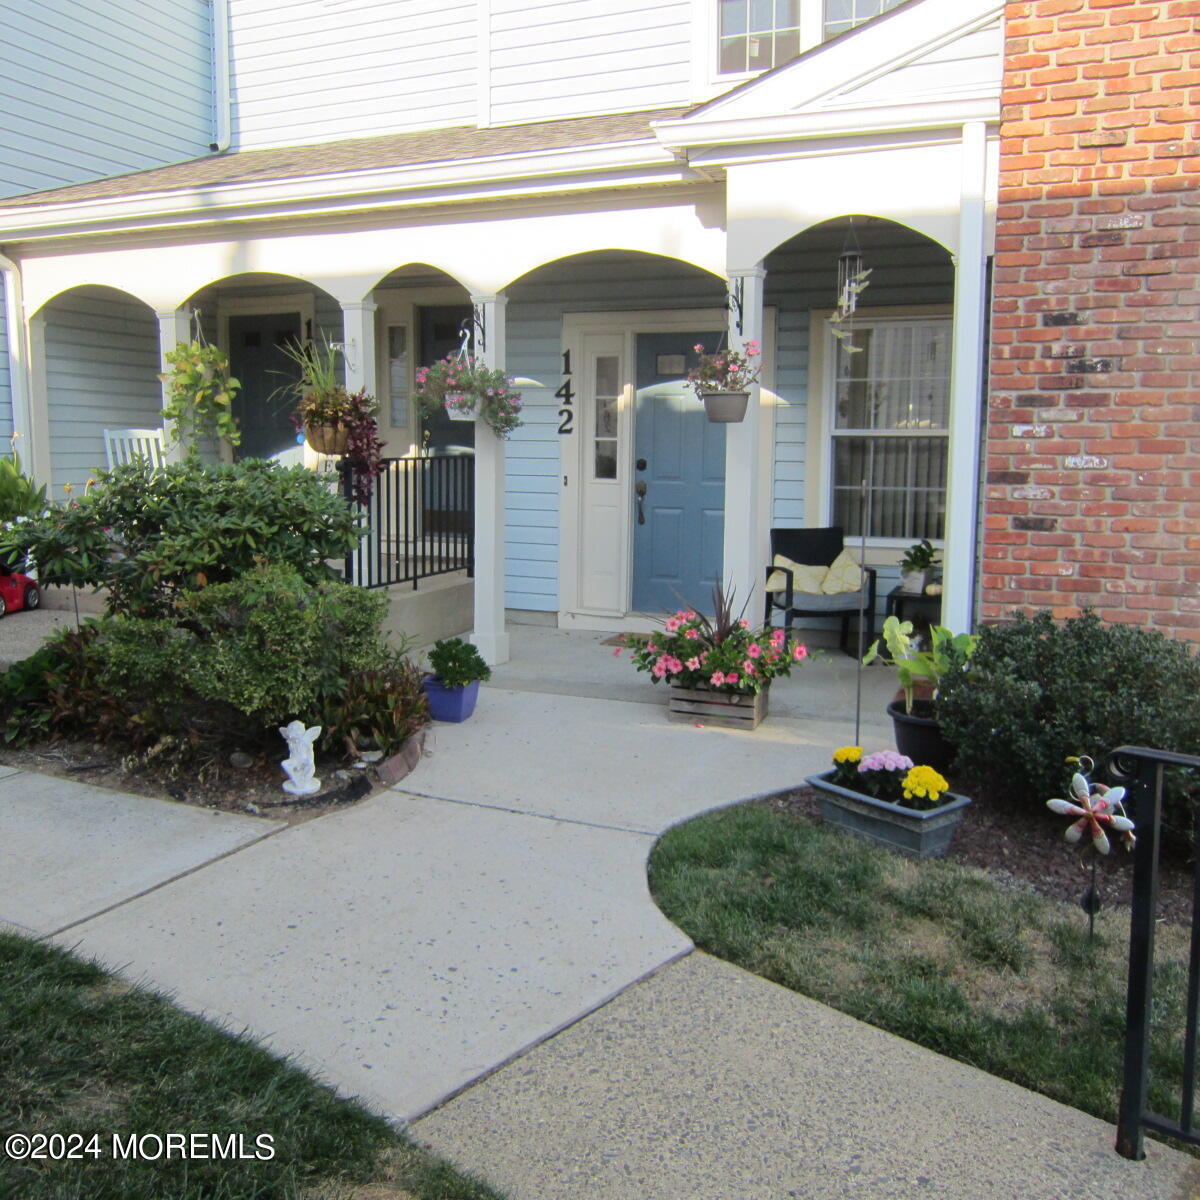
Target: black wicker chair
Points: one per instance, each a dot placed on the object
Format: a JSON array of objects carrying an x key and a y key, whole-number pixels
[{"x": 818, "y": 548}]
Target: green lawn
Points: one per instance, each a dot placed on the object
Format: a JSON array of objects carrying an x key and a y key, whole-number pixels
[
  {"x": 82, "y": 1052},
  {"x": 1007, "y": 981}
]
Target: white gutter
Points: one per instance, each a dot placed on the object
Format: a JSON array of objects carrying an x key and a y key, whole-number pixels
[
  {"x": 222, "y": 94},
  {"x": 18, "y": 376}
]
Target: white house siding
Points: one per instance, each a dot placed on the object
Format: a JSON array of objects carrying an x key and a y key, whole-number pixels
[
  {"x": 593, "y": 283},
  {"x": 101, "y": 373},
  {"x": 313, "y": 70},
  {"x": 91, "y": 88},
  {"x": 561, "y": 58}
]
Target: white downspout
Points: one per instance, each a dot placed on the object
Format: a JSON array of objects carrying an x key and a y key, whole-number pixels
[
  {"x": 18, "y": 370},
  {"x": 222, "y": 99}
]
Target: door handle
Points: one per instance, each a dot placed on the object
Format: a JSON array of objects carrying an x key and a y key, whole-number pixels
[{"x": 639, "y": 490}]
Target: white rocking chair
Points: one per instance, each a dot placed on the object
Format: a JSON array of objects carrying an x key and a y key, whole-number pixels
[{"x": 122, "y": 446}]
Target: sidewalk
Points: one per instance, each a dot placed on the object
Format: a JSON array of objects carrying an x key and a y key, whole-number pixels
[{"x": 439, "y": 934}]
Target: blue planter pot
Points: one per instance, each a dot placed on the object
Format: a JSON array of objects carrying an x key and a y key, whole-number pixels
[
  {"x": 450, "y": 704},
  {"x": 917, "y": 833}
]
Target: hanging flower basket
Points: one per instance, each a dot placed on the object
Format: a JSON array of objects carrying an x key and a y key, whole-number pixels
[
  {"x": 460, "y": 407},
  {"x": 466, "y": 390},
  {"x": 722, "y": 382},
  {"x": 725, "y": 408},
  {"x": 327, "y": 439}
]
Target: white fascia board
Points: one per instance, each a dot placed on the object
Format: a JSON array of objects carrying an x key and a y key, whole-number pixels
[
  {"x": 864, "y": 121},
  {"x": 620, "y": 164},
  {"x": 854, "y": 59}
]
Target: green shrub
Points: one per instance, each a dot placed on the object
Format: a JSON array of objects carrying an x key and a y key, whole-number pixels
[
  {"x": 150, "y": 536},
  {"x": 276, "y": 646},
  {"x": 456, "y": 663},
  {"x": 243, "y": 658},
  {"x": 19, "y": 497},
  {"x": 1036, "y": 692}
]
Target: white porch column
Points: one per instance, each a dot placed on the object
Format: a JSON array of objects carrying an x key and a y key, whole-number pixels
[
  {"x": 745, "y": 547},
  {"x": 358, "y": 336},
  {"x": 489, "y": 633},
  {"x": 174, "y": 326},
  {"x": 970, "y": 316},
  {"x": 18, "y": 364}
]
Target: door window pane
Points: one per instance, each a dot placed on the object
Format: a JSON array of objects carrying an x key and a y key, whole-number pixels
[{"x": 606, "y": 380}]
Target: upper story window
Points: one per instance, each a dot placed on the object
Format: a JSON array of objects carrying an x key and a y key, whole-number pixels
[
  {"x": 841, "y": 15},
  {"x": 758, "y": 34}
]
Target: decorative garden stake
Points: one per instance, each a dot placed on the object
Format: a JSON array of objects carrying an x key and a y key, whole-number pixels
[
  {"x": 1099, "y": 809},
  {"x": 299, "y": 766}
]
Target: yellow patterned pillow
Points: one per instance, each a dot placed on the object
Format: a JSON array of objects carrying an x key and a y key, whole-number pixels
[
  {"x": 807, "y": 579},
  {"x": 844, "y": 575}
]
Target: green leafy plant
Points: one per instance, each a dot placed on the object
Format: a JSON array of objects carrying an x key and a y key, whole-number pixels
[
  {"x": 200, "y": 395},
  {"x": 379, "y": 708},
  {"x": 466, "y": 385},
  {"x": 19, "y": 497},
  {"x": 456, "y": 663},
  {"x": 948, "y": 652},
  {"x": 24, "y": 696},
  {"x": 920, "y": 556},
  {"x": 150, "y": 535},
  {"x": 1038, "y": 692}
]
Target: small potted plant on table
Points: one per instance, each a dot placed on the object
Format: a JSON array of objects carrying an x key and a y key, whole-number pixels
[
  {"x": 885, "y": 797},
  {"x": 916, "y": 567},
  {"x": 722, "y": 381},
  {"x": 453, "y": 687}
]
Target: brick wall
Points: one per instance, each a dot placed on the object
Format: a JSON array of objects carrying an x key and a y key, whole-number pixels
[{"x": 1092, "y": 475}]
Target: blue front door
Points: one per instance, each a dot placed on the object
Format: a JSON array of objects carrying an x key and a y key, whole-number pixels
[{"x": 679, "y": 455}]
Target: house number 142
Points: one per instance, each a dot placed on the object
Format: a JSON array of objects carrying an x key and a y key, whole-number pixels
[{"x": 566, "y": 414}]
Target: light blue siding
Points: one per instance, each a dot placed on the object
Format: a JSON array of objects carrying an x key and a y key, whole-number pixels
[
  {"x": 591, "y": 283},
  {"x": 101, "y": 373},
  {"x": 90, "y": 88},
  {"x": 6, "y": 410}
]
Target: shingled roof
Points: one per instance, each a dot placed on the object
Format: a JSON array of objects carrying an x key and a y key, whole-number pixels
[{"x": 424, "y": 147}]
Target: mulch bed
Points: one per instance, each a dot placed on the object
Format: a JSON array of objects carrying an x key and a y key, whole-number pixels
[{"x": 1026, "y": 849}]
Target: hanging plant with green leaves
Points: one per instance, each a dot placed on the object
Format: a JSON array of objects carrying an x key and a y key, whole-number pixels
[{"x": 200, "y": 394}]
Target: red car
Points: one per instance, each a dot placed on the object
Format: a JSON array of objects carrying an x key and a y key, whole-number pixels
[{"x": 17, "y": 591}]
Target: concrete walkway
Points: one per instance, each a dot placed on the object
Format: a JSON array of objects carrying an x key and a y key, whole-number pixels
[{"x": 413, "y": 945}]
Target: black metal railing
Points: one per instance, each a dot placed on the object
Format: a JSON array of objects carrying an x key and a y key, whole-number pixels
[
  {"x": 420, "y": 520},
  {"x": 1141, "y": 771}
]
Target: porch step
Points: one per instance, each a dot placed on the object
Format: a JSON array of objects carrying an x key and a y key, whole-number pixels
[{"x": 442, "y": 606}]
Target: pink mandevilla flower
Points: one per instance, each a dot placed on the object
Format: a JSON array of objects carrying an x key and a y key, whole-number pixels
[
  {"x": 672, "y": 624},
  {"x": 731, "y": 677},
  {"x": 718, "y": 678},
  {"x": 743, "y": 624},
  {"x": 754, "y": 650},
  {"x": 801, "y": 652},
  {"x": 693, "y": 634},
  {"x": 693, "y": 664}
]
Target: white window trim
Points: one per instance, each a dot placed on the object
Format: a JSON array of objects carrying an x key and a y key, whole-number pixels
[{"x": 818, "y": 502}]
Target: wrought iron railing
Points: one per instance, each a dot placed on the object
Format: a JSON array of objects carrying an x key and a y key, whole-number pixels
[
  {"x": 420, "y": 520},
  {"x": 1141, "y": 771}
]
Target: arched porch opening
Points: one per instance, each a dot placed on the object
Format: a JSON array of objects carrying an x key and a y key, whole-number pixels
[
  {"x": 863, "y": 403},
  {"x": 420, "y": 314},
  {"x": 254, "y": 317},
  {"x": 95, "y": 365},
  {"x": 609, "y": 336}
]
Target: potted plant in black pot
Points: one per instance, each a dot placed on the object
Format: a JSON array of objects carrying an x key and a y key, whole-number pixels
[
  {"x": 453, "y": 686},
  {"x": 920, "y": 673}
]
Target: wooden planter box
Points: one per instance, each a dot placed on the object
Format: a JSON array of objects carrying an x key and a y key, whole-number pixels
[
  {"x": 726, "y": 710},
  {"x": 919, "y": 834}
]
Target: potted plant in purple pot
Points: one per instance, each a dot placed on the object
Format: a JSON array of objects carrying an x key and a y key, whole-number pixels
[{"x": 453, "y": 687}]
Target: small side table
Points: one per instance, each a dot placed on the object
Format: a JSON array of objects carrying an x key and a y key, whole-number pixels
[{"x": 922, "y": 610}]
